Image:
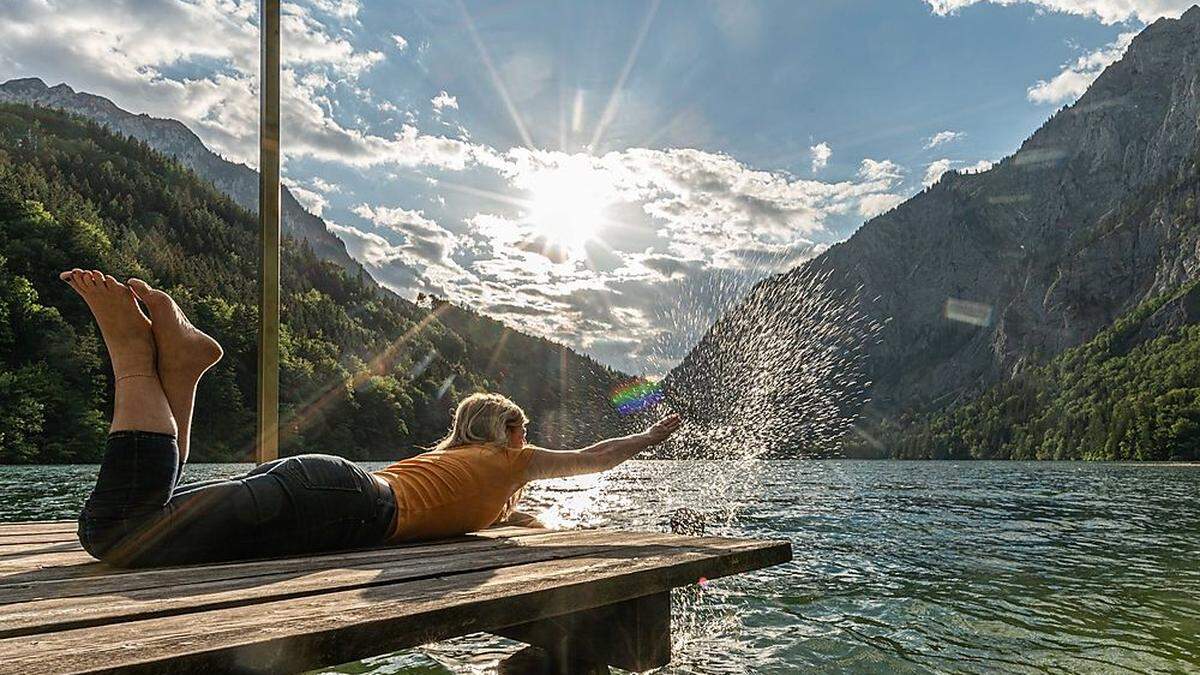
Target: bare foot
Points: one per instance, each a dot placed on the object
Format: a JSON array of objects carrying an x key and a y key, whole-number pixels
[
  {"x": 125, "y": 329},
  {"x": 183, "y": 349}
]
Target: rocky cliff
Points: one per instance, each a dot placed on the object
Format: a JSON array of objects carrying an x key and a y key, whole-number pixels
[{"x": 983, "y": 275}]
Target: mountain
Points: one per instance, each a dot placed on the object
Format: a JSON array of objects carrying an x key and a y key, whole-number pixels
[
  {"x": 983, "y": 277},
  {"x": 363, "y": 373},
  {"x": 172, "y": 138},
  {"x": 1130, "y": 393}
]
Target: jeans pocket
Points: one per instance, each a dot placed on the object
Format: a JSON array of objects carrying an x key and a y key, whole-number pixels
[{"x": 323, "y": 472}]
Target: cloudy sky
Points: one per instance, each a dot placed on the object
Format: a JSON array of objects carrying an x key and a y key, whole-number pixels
[{"x": 610, "y": 175}]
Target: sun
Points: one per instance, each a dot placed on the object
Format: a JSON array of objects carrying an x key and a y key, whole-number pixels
[{"x": 567, "y": 205}]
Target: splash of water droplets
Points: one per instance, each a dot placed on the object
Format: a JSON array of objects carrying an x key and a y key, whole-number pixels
[{"x": 781, "y": 375}]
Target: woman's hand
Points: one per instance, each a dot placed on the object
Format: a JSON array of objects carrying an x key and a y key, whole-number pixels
[{"x": 662, "y": 429}]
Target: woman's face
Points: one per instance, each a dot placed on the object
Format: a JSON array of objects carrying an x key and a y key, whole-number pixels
[{"x": 516, "y": 437}]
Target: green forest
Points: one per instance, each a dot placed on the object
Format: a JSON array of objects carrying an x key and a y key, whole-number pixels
[
  {"x": 1130, "y": 393},
  {"x": 364, "y": 374}
]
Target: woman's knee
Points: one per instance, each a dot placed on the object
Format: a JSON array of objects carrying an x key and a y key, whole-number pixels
[
  {"x": 101, "y": 540},
  {"x": 137, "y": 475}
]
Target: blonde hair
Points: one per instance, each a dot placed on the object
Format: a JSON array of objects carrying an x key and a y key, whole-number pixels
[{"x": 483, "y": 419}]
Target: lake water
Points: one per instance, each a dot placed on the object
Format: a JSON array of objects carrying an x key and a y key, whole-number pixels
[{"x": 905, "y": 567}]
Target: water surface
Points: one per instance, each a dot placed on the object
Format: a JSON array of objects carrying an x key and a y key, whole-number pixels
[{"x": 906, "y": 567}]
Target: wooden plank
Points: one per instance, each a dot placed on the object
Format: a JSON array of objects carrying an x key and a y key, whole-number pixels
[
  {"x": 26, "y": 549},
  {"x": 272, "y": 583},
  {"x": 38, "y": 526},
  {"x": 634, "y": 635},
  {"x": 308, "y": 632},
  {"x": 37, "y": 537},
  {"x": 78, "y": 564},
  {"x": 52, "y": 565},
  {"x": 107, "y": 579}
]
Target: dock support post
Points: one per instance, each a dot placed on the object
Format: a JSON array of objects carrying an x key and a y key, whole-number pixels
[
  {"x": 632, "y": 635},
  {"x": 266, "y": 447}
]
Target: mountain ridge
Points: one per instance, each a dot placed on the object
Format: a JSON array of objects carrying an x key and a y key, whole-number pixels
[
  {"x": 173, "y": 138},
  {"x": 1051, "y": 245}
]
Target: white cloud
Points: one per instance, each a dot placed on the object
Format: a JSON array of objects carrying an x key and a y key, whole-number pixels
[
  {"x": 424, "y": 238},
  {"x": 879, "y": 177},
  {"x": 821, "y": 152},
  {"x": 1078, "y": 75},
  {"x": 312, "y": 201},
  {"x": 124, "y": 50},
  {"x": 391, "y": 265},
  {"x": 885, "y": 171},
  {"x": 874, "y": 204},
  {"x": 324, "y": 185},
  {"x": 709, "y": 227},
  {"x": 942, "y": 138},
  {"x": 342, "y": 9},
  {"x": 401, "y": 43},
  {"x": 304, "y": 40},
  {"x": 934, "y": 171},
  {"x": 1107, "y": 11},
  {"x": 444, "y": 100},
  {"x": 420, "y": 262}
]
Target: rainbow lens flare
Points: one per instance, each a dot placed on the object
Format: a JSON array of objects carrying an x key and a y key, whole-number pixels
[{"x": 636, "y": 395}]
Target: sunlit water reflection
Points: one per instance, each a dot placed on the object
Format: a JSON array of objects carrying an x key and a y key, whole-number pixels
[{"x": 899, "y": 566}]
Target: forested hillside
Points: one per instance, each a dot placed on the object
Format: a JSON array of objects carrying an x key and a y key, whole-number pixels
[
  {"x": 173, "y": 139},
  {"x": 1131, "y": 393},
  {"x": 363, "y": 374}
]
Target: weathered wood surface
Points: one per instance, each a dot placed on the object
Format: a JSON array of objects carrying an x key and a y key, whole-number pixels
[
  {"x": 61, "y": 612},
  {"x": 38, "y": 526},
  {"x": 52, "y": 561}
]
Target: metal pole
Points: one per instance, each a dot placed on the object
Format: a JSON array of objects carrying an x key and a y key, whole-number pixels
[{"x": 267, "y": 446}]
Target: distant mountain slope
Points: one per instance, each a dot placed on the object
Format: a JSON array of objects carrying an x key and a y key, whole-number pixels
[
  {"x": 1130, "y": 393},
  {"x": 363, "y": 373},
  {"x": 983, "y": 276},
  {"x": 172, "y": 138}
]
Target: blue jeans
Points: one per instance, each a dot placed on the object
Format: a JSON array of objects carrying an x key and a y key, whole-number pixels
[{"x": 137, "y": 515}]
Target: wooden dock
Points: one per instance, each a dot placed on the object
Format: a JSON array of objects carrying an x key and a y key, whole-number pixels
[{"x": 586, "y": 598}]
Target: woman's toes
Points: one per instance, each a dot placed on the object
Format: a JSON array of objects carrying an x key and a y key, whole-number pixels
[
  {"x": 145, "y": 291},
  {"x": 155, "y": 300},
  {"x": 141, "y": 288}
]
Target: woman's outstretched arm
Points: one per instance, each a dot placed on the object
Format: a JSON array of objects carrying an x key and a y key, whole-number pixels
[{"x": 599, "y": 457}]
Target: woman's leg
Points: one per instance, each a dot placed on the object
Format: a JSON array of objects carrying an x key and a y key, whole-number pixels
[
  {"x": 184, "y": 354},
  {"x": 135, "y": 517},
  {"x": 138, "y": 400},
  {"x": 291, "y": 506},
  {"x": 140, "y": 461}
]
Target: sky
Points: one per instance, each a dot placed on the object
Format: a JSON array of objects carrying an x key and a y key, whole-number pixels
[{"x": 614, "y": 175}]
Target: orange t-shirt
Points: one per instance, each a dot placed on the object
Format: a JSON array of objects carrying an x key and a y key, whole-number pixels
[{"x": 444, "y": 493}]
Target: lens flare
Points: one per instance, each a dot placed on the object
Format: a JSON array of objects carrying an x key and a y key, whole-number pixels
[{"x": 636, "y": 395}]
